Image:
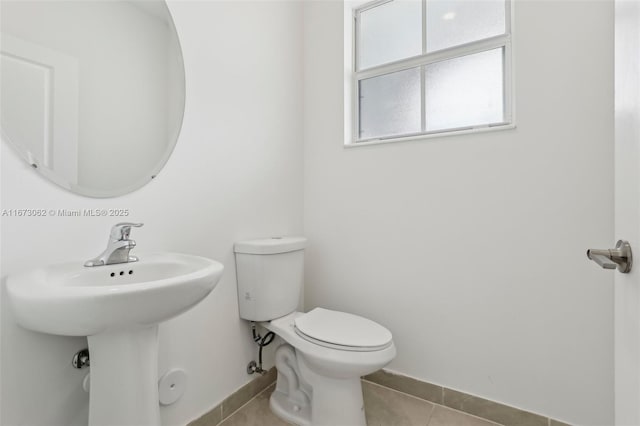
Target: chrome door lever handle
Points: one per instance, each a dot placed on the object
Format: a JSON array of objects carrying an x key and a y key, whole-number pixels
[
  {"x": 601, "y": 257},
  {"x": 619, "y": 257}
]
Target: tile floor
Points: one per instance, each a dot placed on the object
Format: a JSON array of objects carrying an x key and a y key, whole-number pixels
[{"x": 383, "y": 407}]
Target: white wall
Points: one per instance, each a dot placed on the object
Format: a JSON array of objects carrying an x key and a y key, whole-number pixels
[
  {"x": 471, "y": 249},
  {"x": 236, "y": 173}
]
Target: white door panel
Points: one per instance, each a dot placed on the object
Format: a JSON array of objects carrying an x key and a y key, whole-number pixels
[
  {"x": 40, "y": 104},
  {"x": 627, "y": 210}
]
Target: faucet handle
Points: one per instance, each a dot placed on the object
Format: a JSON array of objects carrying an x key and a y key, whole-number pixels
[{"x": 121, "y": 231}]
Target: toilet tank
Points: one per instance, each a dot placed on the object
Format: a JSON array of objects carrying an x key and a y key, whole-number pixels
[{"x": 270, "y": 276}]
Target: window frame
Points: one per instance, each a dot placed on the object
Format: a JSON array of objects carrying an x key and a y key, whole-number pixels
[{"x": 503, "y": 41}]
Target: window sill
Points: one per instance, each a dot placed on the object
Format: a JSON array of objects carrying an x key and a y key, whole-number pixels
[{"x": 466, "y": 131}]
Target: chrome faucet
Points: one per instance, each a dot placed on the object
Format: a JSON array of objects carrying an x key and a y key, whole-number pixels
[{"x": 118, "y": 247}]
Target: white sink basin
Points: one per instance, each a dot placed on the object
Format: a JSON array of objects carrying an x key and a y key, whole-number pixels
[
  {"x": 73, "y": 300},
  {"x": 118, "y": 307}
]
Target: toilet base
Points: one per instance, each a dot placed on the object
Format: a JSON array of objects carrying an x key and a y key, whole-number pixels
[
  {"x": 289, "y": 411},
  {"x": 305, "y": 398}
]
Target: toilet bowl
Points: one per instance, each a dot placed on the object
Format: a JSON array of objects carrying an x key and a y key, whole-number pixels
[
  {"x": 325, "y": 352},
  {"x": 320, "y": 365}
]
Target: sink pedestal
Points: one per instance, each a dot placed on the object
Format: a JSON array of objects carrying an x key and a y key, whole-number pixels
[
  {"x": 120, "y": 314},
  {"x": 124, "y": 377}
]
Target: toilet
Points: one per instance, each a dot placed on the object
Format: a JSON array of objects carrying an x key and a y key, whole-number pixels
[{"x": 325, "y": 352}]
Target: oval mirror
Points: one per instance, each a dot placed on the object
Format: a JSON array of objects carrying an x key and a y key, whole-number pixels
[{"x": 92, "y": 92}]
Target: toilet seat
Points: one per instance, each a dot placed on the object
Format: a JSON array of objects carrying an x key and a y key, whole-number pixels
[
  {"x": 329, "y": 360},
  {"x": 342, "y": 331}
]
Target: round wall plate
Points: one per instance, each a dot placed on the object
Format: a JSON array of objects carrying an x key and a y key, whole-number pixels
[
  {"x": 86, "y": 382},
  {"x": 172, "y": 386}
]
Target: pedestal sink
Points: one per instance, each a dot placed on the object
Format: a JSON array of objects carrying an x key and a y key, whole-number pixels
[{"x": 119, "y": 308}]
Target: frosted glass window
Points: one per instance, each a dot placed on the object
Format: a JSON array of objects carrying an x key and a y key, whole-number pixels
[
  {"x": 465, "y": 91},
  {"x": 390, "y": 104},
  {"x": 424, "y": 67},
  {"x": 454, "y": 22},
  {"x": 390, "y": 32}
]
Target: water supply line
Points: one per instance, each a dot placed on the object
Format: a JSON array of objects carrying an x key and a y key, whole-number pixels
[{"x": 254, "y": 367}]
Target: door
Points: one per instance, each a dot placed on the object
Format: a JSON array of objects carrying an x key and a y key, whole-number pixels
[
  {"x": 627, "y": 210},
  {"x": 40, "y": 105}
]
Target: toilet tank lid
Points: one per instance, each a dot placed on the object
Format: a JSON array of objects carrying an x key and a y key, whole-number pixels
[{"x": 272, "y": 245}]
